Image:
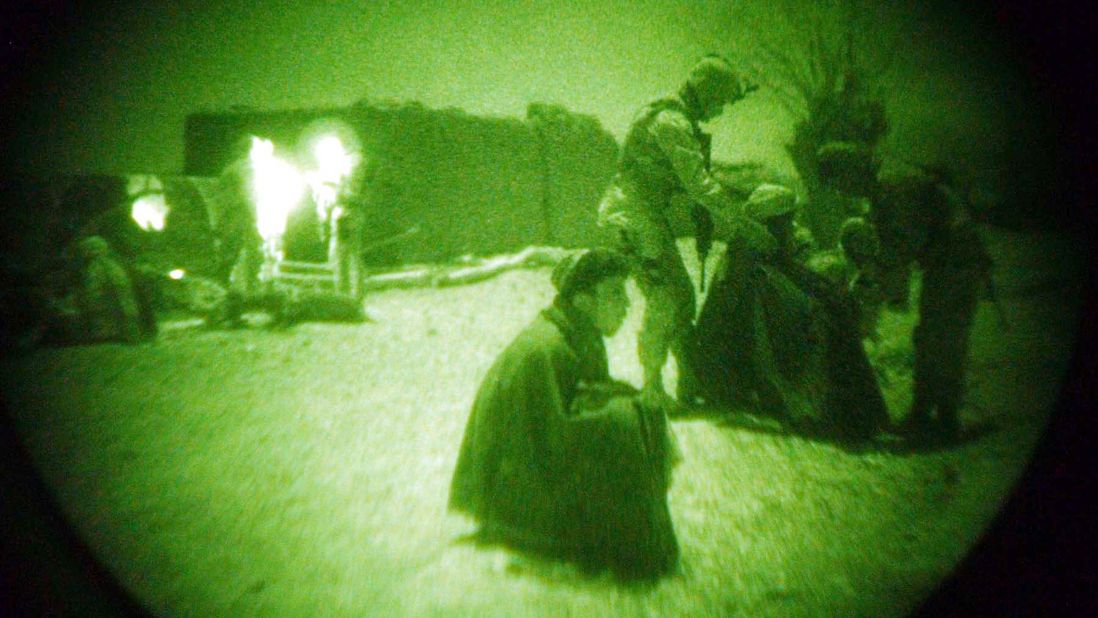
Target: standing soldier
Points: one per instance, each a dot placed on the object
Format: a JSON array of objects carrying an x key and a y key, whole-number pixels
[
  {"x": 955, "y": 264},
  {"x": 239, "y": 246},
  {"x": 666, "y": 154},
  {"x": 347, "y": 223},
  {"x": 920, "y": 222}
]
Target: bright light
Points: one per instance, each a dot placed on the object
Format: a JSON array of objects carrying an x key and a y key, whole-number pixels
[
  {"x": 176, "y": 274},
  {"x": 332, "y": 159},
  {"x": 334, "y": 165},
  {"x": 277, "y": 188},
  {"x": 150, "y": 211}
]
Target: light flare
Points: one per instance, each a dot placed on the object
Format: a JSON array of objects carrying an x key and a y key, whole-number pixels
[
  {"x": 277, "y": 187},
  {"x": 150, "y": 211},
  {"x": 334, "y": 166}
]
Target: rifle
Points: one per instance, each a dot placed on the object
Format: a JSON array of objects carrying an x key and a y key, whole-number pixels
[
  {"x": 703, "y": 220},
  {"x": 703, "y": 237}
]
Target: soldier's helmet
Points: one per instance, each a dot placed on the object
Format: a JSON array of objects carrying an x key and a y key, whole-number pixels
[
  {"x": 92, "y": 247},
  {"x": 768, "y": 201},
  {"x": 859, "y": 240},
  {"x": 716, "y": 83}
]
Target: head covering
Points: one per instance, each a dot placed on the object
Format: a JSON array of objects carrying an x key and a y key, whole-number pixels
[
  {"x": 858, "y": 239},
  {"x": 582, "y": 271},
  {"x": 770, "y": 200},
  {"x": 714, "y": 80},
  {"x": 93, "y": 247}
]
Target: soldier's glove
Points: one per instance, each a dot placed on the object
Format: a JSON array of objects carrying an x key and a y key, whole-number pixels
[
  {"x": 758, "y": 238},
  {"x": 736, "y": 228},
  {"x": 655, "y": 398}
]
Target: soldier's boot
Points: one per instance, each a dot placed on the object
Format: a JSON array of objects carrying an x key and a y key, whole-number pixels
[
  {"x": 280, "y": 309},
  {"x": 949, "y": 398},
  {"x": 653, "y": 350},
  {"x": 947, "y": 426},
  {"x": 688, "y": 390},
  {"x": 230, "y": 313},
  {"x": 917, "y": 425},
  {"x": 771, "y": 402},
  {"x": 917, "y": 430}
]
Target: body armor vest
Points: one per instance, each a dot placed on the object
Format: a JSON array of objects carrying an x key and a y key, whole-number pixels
[{"x": 645, "y": 165}]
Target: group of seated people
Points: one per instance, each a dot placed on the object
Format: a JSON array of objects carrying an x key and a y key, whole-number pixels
[
  {"x": 779, "y": 338},
  {"x": 560, "y": 458}
]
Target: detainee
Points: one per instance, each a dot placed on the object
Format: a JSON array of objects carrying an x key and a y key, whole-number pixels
[{"x": 560, "y": 459}]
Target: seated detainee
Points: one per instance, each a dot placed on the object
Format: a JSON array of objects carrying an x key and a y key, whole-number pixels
[
  {"x": 777, "y": 337},
  {"x": 557, "y": 457}
]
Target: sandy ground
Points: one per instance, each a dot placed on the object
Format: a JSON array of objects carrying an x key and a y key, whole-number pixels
[{"x": 305, "y": 472}]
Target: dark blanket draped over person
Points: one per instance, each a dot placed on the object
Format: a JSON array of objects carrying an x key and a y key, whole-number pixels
[
  {"x": 776, "y": 337},
  {"x": 560, "y": 459}
]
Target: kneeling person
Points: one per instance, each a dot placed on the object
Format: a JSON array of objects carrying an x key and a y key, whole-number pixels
[
  {"x": 558, "y": 457},
  {"x": 774, "y": 332}
]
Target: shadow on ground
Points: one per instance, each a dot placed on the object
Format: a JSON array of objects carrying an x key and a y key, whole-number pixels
[{"x": 885, "y": 442}]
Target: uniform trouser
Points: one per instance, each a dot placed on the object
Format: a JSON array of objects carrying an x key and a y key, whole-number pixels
[
  {"x": 947, "y": 304},
  {"x": 107, "y": 304},
  {"x": 668, "y": 293},
  {"x": 240, "y": 252},
  {"x": 344, "y": 254}
]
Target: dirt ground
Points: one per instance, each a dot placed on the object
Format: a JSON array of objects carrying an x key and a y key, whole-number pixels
[{"x": 305, "y": 472}]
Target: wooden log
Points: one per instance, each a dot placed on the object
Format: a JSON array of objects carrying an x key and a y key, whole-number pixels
[{"x": 450, "y": 275}]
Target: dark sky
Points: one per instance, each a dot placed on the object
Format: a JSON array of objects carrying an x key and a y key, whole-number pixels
[{"x": 105, "y": 87}]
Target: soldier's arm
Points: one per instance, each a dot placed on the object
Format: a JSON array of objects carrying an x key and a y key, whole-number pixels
[{"x": 676, "y": 139}]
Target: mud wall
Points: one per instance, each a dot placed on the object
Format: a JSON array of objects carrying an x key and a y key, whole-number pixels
[{"x": 472, "y": 184}]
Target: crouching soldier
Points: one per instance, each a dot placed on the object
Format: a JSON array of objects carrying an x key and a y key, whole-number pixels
[
  {"x": 103, "y": 305},
  {"x": 557, "y": 457}
]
